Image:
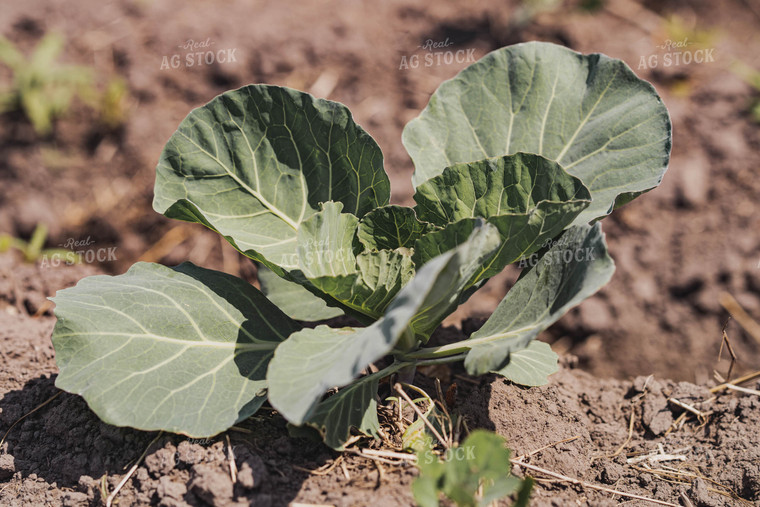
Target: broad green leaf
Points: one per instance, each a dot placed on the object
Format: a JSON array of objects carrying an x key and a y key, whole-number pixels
[
  {"x": 354, "y": 406},
  {"x": 312, "y": 361},
  {"x": 574, "y": 268},
  {"x": 391, "y": 227},
  {"x": 181, "y": 349},
  {"x": 590, "y": 113},
  {"x": 532, "y": 365},
  {"x": 254, "y": 163},
  {"x": 303, "y": 368},
  {"x": 363, "y": 284},
  {"x": 384, "y": 273},
  {"x": 426, "y": 488},
  {"x": 505, "y": 486},
  {"x": 292, "y": 299},
  {"x": 497, "y": 186},
  {"x": 528, "y": 198}
]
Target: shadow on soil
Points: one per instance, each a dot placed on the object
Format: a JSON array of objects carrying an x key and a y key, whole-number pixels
[{"x": 64, "y": 442}]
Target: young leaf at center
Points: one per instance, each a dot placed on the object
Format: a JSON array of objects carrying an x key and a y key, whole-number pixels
[
  {"x": 311, "y": 361},
  {"x": 528, "y": 198}
]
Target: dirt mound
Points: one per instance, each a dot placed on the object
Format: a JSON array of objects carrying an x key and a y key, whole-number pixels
[
  {"x": 714, "y": 462},
  {"x": 62, "y": 454}
]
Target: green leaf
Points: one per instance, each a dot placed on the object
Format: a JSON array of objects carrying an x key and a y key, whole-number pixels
[
  {"x": 475, "y": 473},
  {"x": 523, "y": 496},
  {"x": 181, "y": 349},
  {"x": 354, "y": 406},
  {"x": 44, "y": 55},
  {"x": 303, "y": 368},
  {"x": 10, "y": 55},
  {"x": 292, "y": 299},
  {"x": 365, "y": 284},
  {"x": 426, "y": 488},
  {"x": 532, "y": 365},
  {"x": 497, "y": 186},
  {"x": 391, "y": 227},
  {"x": 590, "y": 113},
  {"x": 574, "y": 268},
  {"x": 382, "y": 274},
  {"x": 487, "y": 465},
  {"x": 254, "y": 163},
  {"x": 312, "y": 361},
  {"x": 528, "y": 198}
]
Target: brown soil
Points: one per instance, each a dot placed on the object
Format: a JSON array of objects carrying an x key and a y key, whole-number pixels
[
  {"x": 59, "y": 454},
  {"x": 677, "y": 248}
]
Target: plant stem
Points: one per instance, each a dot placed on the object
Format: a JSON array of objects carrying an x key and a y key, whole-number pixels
[
  {"x": 440, "y": 360},
  {"x": 408, "y": 368},
  {"x": 387, "y": 371},
  {"x": 451, "y": 349}
]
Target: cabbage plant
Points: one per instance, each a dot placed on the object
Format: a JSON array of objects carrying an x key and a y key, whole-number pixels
[{"x": 517, "y": 157}]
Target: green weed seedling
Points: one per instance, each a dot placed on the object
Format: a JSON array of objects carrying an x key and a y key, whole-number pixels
[
  {"x": 477, "y": 473},
  {"x": 32, "y": 250}
]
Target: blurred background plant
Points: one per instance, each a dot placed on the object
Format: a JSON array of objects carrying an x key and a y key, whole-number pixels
[
  {"x": 528, "y": 10},
  {"x": 680, "y": 29},
  {"x": 112, "y": 103},
  {"x": 752, "y": 77},
  {"x": 31, "y": 250},
  {"x": 43, "y": 88}
]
